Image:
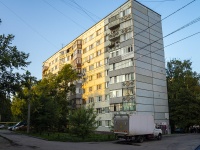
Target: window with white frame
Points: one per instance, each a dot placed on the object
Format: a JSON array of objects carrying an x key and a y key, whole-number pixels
[
  {"x": 106, "y": 72},
  {"x": 91, "y": 67},
  {"x": 126, "y": 24},
  {"x": 98, "y": 98},
  {"x": 107, "y": 84},
  {"x": 107, "y": 97},
  {"x": 126, "y": 36},
  {"x": 91, "y": 36},
  {"x": 106, "y": 27},
  {"x": 127, "y": 92},
  {"x": 91, "y": 99},
  {"x": 115, "y": 93},
  {"x": 125, "y": 12},
  {"x": 108, "y": 123}
]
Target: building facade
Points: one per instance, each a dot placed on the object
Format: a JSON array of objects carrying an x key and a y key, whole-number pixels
[{"x": 121, "y": 61}]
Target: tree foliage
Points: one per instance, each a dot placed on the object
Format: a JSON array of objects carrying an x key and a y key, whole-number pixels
[
  {"x": 82, "y": 121},
  {"x": 183, "y": 93},
  {"x": 11, "y": 59},
  {"x": 49, "y": 99}
]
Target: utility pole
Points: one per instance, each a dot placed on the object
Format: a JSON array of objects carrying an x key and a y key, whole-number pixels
[{"x": 28, "y": 120}]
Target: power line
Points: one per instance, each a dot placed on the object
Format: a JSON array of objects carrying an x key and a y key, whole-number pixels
[
  {"x": 83, "y": 10},
  {"x": 72, "y": 6},
  {"x": 28, "y": 25},
  {"x": 166, "y": 17},
  {"x": 181, "y": 28},
  {"x": 169, "y": 45},
  {"x": 64, "y": 15}
]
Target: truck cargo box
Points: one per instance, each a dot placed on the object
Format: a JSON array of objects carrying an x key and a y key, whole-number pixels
[{"x": 134, "y": 124}]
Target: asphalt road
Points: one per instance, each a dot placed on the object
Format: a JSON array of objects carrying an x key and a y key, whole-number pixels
[{"x": 12, "y": 141}]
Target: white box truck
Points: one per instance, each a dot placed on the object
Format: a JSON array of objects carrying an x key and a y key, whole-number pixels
[{"x": 139, "y": 127}]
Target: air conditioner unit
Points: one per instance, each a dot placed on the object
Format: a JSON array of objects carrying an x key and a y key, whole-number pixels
[{"x": 88, "y": 61}]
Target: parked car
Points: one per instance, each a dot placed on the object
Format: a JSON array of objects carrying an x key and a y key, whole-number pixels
[
  {"x": 179, "y": 130},
  {"x": 17, "y": 126},
  {"x": 2, "y": 126}
]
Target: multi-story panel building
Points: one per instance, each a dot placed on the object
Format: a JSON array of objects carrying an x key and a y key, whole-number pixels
[{"x": 121, "y": 60}]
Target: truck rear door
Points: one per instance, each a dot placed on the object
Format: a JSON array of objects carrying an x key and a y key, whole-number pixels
[{"x": 121, "y": 124}]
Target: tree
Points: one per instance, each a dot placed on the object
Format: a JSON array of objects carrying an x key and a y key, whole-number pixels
[
  {"x": 10, "y": 60},
  {"x": 183, "y": 92},
  {"x": 82, "y": 121},
  {"x": 65, "y": 79}
]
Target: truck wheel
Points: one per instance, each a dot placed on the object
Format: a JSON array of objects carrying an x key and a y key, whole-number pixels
[
  {"x": 140, "y": 139},
  {"x": 159, "y": 137}
]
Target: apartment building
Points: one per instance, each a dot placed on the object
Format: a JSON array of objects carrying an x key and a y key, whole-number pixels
[{"x": 121, "y": 61}]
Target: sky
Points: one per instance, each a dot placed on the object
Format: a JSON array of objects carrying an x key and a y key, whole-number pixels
[{"x": 42, "y": 27}]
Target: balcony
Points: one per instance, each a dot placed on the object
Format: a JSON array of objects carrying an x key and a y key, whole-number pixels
[
  {"x": 45, "y": 68},
  {"x": 113, "y": 25},
  {"x": 114, "y": 35},
  {"x": 128, "y": 98},
  {"x": 127, "y": 84}
]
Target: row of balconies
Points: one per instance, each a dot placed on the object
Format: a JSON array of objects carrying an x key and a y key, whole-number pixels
[
  {"x": 114, "y": 24},
  {"x": 116, "y": 33}
]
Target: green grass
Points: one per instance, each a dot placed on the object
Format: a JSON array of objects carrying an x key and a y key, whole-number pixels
[{"x": 65, "y": 137}]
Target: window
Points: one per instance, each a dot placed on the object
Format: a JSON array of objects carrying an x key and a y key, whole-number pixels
[
  {"x": 106, "y": 72},
  {"x": 126, "y": 36},
  {"x": 99, "y": 75},
  {"x": 90, "y": 78},
  {"x": 106, "y": 27},
  {"x": 84, "y": 51},
  {"x": 112, "y": 80},
  {"x": 99, "y": 123},
  {"x": 98, "y": 32},
  {"x": 98, "y": 53},
  {"x": 106, "y": 60},
  {"x": 108, "y": 123},
  {"x": 84, "y": 70},
  {"x": 98, "y": 64},
  {"x": 90, "y": 89},
  {"x": 115, "y": 107},
  {"x": 91, "y": 46},
  {"x": 98, "y": 43},
  {"x": 91, "y": 37},
  {"x": 106, "y": 109},
  {"x": 125, "y": 12},
  {"x": 106, "y": 38},
  {"x": 127, "y": 92},
  {"x": 107, "y": 97},
  {"x": 91, "y": 99},
  {"x": 85, "y": 40},
  {"x": 115, "y": 93},
  {"x": 126, "y": 24},
  {"x": 98, "y": 98},
  {"x": 107, "y": 84},
  {"x": 98, "y": 86},
  {"x": 91, "y": 56},
  {"x": 91, "y": 67},
  {"x": 99, "y": 110}
]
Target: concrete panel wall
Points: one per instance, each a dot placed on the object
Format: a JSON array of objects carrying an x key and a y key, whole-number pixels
[
  {"x": 143, "y": 93},
  {"x": 146, "y": 108},
  {"x": 146, "y": 79},
  {"x": 144, "y": 100},
  {"x": 142, "y": 85}
]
